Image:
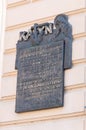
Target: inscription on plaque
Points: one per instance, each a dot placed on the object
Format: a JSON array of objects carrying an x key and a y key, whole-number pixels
[{"x": 41, "y": 64}]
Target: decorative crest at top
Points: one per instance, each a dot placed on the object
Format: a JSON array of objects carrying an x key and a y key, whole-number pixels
[{"x": 39, "y": 32}]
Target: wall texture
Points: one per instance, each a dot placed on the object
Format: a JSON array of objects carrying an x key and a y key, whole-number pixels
[{"x": 20, "y": 15}]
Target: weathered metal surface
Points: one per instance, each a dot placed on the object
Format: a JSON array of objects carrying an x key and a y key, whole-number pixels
[{"x": 42, "y": 55}]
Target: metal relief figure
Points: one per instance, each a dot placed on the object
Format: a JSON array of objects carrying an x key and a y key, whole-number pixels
[
  {"x": 43, "y": 52},
  {"x": 64, "y": 32},
  {"x": 62, "y": 26}
]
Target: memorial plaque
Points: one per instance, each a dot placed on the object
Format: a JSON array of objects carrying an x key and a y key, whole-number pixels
[{"x": 41, "y": 59}]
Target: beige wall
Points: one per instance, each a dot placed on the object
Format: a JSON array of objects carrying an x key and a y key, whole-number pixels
[
  {"x": 2, "y": 32},
  {"x": 21, "y": 14}
]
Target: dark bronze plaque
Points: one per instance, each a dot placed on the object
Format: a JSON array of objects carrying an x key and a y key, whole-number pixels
[
  {"x": 41, "y": 60},
  {"x": 40, "y": 77}
]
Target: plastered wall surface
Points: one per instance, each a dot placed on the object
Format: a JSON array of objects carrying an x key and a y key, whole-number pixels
[{"x": 21, "y": 15}]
